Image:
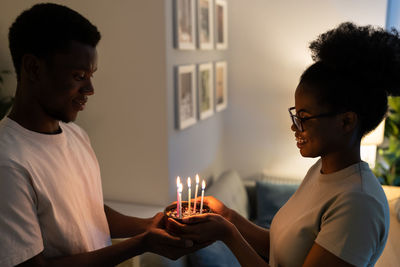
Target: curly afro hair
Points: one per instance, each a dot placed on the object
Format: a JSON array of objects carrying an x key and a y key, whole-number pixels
[
  {"x": 355, "y": 69},
  {"x": 48, "y": 28}
]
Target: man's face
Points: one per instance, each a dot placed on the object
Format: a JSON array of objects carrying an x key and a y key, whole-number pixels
[{"x": 65, "y": 82}]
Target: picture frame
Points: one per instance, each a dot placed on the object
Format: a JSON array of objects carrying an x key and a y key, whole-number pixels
[
  {"x": 205, "y": 79},
  {"x": 205, "y": 24},
  {"x": 221, "y": 21},
  {"x": 185, "y": 24},
  {"x": 221, "y": 85},
  {"x": 186, "y": 105}
]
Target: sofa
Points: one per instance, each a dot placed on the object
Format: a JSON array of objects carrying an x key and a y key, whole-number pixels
[{"x": 258, "y": 198}]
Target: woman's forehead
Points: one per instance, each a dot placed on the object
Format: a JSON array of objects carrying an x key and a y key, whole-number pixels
[{"x": 308, "y": 99}]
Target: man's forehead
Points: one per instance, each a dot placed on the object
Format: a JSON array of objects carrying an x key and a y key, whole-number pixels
[{"x": 77, "y": 56}]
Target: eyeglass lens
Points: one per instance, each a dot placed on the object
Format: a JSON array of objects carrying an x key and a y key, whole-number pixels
[{"x": 297, "y": 122}]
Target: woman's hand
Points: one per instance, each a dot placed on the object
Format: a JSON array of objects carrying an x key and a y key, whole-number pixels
[
  {"x": 217, "y": 206},
  {"x": 202, "y": 228}
]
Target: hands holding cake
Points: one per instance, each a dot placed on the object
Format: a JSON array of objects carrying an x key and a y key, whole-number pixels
[
  {"x": 216, "y": 221},
  {"x": 208, "y": 226}
]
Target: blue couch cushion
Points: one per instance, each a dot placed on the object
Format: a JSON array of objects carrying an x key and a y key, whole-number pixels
[
  {"x": 270, "y": 198},
  {"x": 215, "y": 255}
]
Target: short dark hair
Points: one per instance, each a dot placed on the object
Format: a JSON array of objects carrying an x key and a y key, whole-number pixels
[
  {"x": 356, "y": 69},
  {"x": 48, "y": 28}
]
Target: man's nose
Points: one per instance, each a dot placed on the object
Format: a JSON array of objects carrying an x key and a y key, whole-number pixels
[{"x": 88, "y": 89}]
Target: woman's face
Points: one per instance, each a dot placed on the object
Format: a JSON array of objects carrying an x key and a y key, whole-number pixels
[{"x": 320, "y": 136}]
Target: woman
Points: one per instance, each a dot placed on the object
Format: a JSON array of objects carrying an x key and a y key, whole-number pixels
[{"x": 339, "y": 216}]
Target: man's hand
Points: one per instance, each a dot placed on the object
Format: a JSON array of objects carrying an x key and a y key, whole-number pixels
[{"x": 159, "y": 241}]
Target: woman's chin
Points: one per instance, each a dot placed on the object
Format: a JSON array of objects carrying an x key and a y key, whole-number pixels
[{"x": 307, "y": 153}]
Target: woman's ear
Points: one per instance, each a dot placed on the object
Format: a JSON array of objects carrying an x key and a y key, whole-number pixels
[{"x": 349, "y": 121}]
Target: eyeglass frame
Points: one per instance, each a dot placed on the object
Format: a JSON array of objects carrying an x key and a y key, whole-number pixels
[{"x": 299, "y": 123}]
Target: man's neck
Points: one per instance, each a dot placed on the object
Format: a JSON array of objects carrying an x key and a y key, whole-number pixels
[{"x": 33, "y": 118}]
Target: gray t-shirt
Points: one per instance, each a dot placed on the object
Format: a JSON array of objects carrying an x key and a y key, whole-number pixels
[{"x": 345, "y": 212}]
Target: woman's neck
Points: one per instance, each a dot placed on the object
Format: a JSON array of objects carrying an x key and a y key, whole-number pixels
[{"x": 339, "y": 160}]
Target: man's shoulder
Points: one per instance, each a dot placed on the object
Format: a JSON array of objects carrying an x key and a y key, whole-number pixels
[{"x": 72, "y": 129}]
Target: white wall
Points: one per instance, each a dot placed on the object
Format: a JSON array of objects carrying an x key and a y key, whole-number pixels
[
  {"x": 127, "y": 124},
  {"x": 199, "y": 148},
  {"x": 268, "y": 52}
]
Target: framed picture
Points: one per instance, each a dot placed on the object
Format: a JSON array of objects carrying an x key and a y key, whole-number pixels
[
  {"x": 221, "y": 15},
  {"x": 185, "y": 37},
  {"x": 205, "y": 25},
  {"x": 221, "y": 87},
  {"x": 186, "y": 96},
  {"x": 206, "y": 90}
]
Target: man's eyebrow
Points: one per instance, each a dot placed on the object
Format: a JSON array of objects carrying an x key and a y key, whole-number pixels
[
  {"x": 302, "y": 110},
  {"x": 85, "y": 68}
]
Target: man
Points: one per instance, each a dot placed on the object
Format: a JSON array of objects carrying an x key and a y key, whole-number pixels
[{"x": 51, "y": 202}]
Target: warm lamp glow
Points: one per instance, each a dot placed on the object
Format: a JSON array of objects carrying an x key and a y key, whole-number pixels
[
  {"x": 369, "y": 144},
  {"x": 376, "y": 136}
]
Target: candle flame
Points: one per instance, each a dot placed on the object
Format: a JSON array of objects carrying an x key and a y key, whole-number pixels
[
  {"x": 189, "y": 182},
  {"x": 203, "y": 185},
  {"x": 180, "y": 187},
  {"x": 197, "y": 179},
  {"x": 178, "y": 180}
]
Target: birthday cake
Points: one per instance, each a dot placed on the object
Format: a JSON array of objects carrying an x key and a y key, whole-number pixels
[{"x": 173, "y": 212}]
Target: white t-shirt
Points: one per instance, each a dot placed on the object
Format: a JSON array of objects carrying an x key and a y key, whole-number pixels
[
  {"x": 345, "y": 212},
  {"x": 51, "y": 198}
]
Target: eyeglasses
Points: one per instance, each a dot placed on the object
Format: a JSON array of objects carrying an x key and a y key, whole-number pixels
[{"x": 298, "y": 121}]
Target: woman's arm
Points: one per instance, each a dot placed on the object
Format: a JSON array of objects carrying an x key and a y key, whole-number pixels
[
  {"x": 318, "y": 256},
  {"x": 255, "y": 235},
  {"x": 207, "y": 227},
  {"x": 244, "y": 252}
]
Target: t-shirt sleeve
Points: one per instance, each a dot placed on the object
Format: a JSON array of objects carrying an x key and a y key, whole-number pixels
[
  {"x": 20, "y": 237},
  {"x": 353, "y": 228}
]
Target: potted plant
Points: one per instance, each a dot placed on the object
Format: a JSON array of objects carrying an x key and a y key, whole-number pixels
[
  {"x": 387, "y": 168},
  {"x": 5, "y": 101}
]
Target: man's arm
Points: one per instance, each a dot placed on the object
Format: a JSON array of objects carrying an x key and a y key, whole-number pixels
[
  {"x": 108, "y": 256},
  {"x": 122, "y": 226},
  {"x": 154, "y": 240}
]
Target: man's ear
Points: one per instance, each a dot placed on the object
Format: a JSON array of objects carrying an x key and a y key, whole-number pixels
[
  {"x": 31, "y": 67},
  {"x": 349, "y": 121}
]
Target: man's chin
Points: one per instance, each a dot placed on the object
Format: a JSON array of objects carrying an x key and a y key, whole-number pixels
[{"x": 65, "y": 119}]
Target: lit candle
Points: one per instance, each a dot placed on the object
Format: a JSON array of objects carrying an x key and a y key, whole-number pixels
[
  {"x": 203, "y": 185},
  {"x": 195, "y": 192},
  {"x": 180, "y": 187},
  {"x": 189, "y": 193},
  {"x": 178, "y": 181}
]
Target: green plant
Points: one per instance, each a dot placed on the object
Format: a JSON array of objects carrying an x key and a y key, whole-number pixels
[
  {"x": 5, "y": 101},
  {"x": 387, "y": 168}
]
